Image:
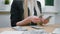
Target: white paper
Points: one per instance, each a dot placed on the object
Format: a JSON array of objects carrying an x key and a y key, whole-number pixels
[
  {"x": 25, "y": 32},
  {"x": 37, "y": 27},
  {"x": 19, "y": 28},
  {"x": 57, "y": 31},
  {"x": 12, "y": 32},
  {"x": 35, "y": 32}
]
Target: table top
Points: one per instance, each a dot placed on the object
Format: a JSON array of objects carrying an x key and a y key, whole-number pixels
[{"x": 47, "y": 28}]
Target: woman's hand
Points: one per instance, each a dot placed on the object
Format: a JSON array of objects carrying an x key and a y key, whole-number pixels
[{"x": 34, "y": 19}]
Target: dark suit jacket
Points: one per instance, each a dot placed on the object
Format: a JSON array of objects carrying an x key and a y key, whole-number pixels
[{"x": 17, "y": 11}]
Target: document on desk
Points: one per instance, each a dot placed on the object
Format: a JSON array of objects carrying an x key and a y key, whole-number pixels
[
  {"x": 19, "y": 28},
  {"x": 12, "y": 32},
  {"x": 37, "y": 27},
  {"x": 25, "y": 32},
  {"x": 57, "y": 31}
]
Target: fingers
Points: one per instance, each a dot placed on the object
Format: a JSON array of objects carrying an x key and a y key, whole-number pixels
[
  {"x": 36, "y": 19},
  {"x": 46, "y": 21}
]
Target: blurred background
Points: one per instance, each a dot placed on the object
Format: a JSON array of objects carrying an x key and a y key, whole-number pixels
[{"x": 49, "y": 8}]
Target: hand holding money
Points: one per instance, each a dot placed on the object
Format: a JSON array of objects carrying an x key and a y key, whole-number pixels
[{"x": 44, "y": 21}]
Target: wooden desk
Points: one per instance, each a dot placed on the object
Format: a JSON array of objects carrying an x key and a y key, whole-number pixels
[{"x": 48, "y": 28}]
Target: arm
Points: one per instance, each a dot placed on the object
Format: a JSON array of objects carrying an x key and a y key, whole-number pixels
[
  {"x": 28, "y": 20},
  {"x": 24, "y": 22}
]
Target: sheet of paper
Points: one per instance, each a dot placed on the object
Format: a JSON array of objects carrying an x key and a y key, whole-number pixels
[
  {"x": 35, "y": 32},
  {"x": 12, "y": 32},
  {"x": 57, "y": 30},
  {"x": 19, "y": 28},
  {"x": 37, "y": 27},
  {"x": 25, "y": 32}
]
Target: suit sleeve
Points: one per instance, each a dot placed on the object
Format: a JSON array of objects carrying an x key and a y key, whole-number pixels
[{"x": 16, "y": 12}]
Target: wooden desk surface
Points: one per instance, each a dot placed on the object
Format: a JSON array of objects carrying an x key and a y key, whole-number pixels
[{"x": 48, "y": 28}]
